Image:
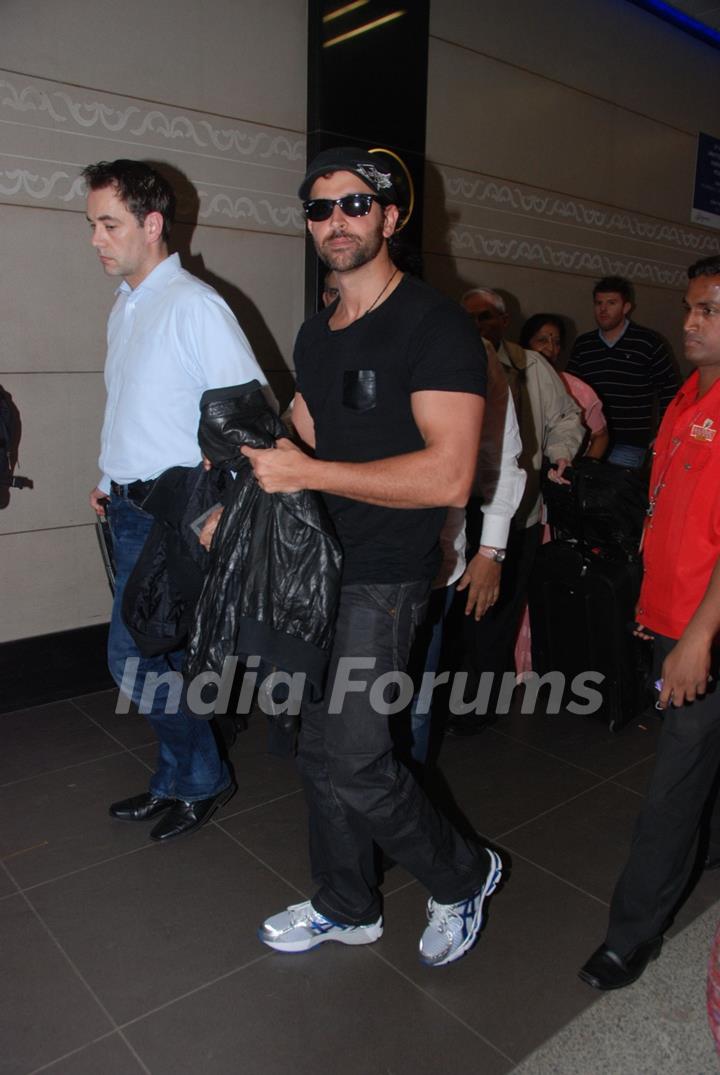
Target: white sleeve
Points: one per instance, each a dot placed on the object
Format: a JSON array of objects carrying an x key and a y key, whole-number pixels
[
  {"x": 499, "y": 479},
  {"x": 218, "y": 348}
]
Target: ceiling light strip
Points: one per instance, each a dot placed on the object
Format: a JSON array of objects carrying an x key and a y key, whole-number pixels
[
  {"x": 364, "y": 29},
  {"x": 344, "y": 10}
]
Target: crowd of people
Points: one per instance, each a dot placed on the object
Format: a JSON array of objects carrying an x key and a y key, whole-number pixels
[{"x": 417, "y": 437}]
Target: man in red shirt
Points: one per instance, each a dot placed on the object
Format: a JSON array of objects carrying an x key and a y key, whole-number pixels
[{"x": 679, "y": 608}]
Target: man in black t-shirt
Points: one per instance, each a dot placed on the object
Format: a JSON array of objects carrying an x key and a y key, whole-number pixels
[{"x": 391, "y": 385}]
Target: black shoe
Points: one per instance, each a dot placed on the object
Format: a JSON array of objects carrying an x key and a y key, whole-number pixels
[
  {"x": 139, "y": 807},
  {"x": 605, "y": 969},
  {"x": 185, "y": 817},
  {"x": 711, "y": 863}
]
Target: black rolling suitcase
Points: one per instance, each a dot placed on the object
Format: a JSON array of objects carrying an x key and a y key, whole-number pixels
[
  {"x": 582, "y": 606},
  {"x": 585, "y": 586}
]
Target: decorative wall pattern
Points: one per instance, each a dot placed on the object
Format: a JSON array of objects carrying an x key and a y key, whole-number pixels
[
  {"x": 245, "y": 175},
  {"x": 468, "y": 241},
  {"x": 500, "y": 220}
]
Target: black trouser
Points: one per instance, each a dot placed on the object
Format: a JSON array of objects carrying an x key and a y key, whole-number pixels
[
  {"x": 663, "y": 847},
  {"x": 489, "y": 643},
  {"x": 357, "y": 792}
]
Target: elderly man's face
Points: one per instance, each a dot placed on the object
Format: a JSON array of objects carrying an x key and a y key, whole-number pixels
[{"x": 491, "y": 322}]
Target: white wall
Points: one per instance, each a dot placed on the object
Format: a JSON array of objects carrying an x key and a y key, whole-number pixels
[{"x": 216, "y": 90}]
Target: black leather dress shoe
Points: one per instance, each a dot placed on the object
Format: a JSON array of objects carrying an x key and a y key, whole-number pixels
[
  {"x": 605, "y": 969},
  {"x": 185, "y": 817},
  {"x": 139, "y": 807}
]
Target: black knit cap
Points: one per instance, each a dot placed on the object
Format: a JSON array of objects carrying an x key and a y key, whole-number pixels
[{"x": 370, "y": 167}]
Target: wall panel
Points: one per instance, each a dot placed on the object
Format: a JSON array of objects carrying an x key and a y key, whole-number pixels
[{"x": 560, "y": 150}]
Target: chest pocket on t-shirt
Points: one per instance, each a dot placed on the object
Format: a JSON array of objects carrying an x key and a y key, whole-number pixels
[{"x": 359, "y": 389}]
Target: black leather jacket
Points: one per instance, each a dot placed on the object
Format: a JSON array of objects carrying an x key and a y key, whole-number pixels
[
  {"x": 160, "y": 595},
  {"x": 274, "y": 579}
]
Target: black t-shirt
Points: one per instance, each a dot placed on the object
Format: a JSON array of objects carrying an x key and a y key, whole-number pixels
[{"x": 357, "y": 383}]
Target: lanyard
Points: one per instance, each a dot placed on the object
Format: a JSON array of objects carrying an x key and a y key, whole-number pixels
[{"x": 660, "y": 483}]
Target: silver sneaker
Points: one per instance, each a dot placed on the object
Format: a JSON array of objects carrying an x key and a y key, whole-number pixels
[
  {"x": 453, "y": 928},
  {"x": 301, "y": 927}
]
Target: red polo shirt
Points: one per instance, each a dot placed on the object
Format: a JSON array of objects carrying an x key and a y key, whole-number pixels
[{"x": 682, "y": 537}]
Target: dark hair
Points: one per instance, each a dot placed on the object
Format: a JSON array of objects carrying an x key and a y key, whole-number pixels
[
  {"x": 140, "y": 187},
  {"x": 616, "y": 283},
  {"x": 705, "y": 267},
  {"x": 536, "y": 322}
]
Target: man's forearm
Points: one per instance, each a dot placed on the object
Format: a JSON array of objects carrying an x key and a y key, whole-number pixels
[
  {"x": 438, "y": 475},
  {"x": 686, "y": 668},
  {"x": 422, "y": 479}
]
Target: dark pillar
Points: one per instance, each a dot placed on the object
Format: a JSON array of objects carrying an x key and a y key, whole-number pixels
[{"x": 367, "y": 86}]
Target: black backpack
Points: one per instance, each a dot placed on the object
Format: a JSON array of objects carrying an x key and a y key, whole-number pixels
[
  {"x": 9, "y": 434},
  {"x": 603, "y": 508}
]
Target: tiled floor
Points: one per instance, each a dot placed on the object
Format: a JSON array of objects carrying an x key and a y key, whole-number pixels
[{"x": 120, "y": 956}]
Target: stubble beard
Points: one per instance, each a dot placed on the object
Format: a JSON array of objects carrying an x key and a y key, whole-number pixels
[{"x": 365, "y": 250}]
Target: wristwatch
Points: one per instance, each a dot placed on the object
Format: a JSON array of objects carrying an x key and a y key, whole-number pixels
[{"x": 498, "y": 555}]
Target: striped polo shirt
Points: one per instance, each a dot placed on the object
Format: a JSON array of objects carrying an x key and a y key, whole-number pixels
[{"x": 628, "y": 377}]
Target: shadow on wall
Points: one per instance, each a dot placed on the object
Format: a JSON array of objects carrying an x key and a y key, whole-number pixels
[
  {"x": 449, "y": 281},
  {"x": 10, "y": 434},
  {"x": 251, "y": 320}
]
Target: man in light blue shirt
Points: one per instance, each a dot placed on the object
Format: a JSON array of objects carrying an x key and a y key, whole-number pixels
[{"x": 170, "y": 338}]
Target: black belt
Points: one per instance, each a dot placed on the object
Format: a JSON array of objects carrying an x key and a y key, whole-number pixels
[{"x": 136, "y": 491}]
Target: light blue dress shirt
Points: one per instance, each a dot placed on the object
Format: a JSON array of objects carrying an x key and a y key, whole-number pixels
[{"x": 169, "y": 339}]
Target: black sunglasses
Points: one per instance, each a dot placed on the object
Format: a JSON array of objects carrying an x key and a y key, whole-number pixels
[{"x": 350, "y": 204}]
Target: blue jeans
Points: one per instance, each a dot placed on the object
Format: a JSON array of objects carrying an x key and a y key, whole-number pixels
[
  {"x": 188, "y": 764},
  {"x": 627, "y": 455},
  {"x": 420, "y": 723}
]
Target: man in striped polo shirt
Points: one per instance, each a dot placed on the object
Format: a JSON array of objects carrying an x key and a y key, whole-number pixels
[{"x": 629, "y": 367}]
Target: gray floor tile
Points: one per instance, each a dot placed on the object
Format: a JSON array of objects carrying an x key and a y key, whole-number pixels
[
  {"x": 157, "y": 923},
  {"x": 584, "y": 741},
  {"x": 261, "y": 777},
  {"x": 585, "y": 842},
  {"x": 7, "y": 885},
  {"x": 110, "y": 1056},
  {"x": 335, "y": 1009},
  {"x": 519, "y": 984},
  {"x": 498, "y": 782},
  {"x": 637, "y": 777},
  {"x": 146, "y": 928},
  {"x": 59, "y": 822},
  {"x": 45, "y": 1011},
  {"x": 277, "y": 834},
  {"x": 130, "y": 729},
  {"x": 48, "y": 737}
]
